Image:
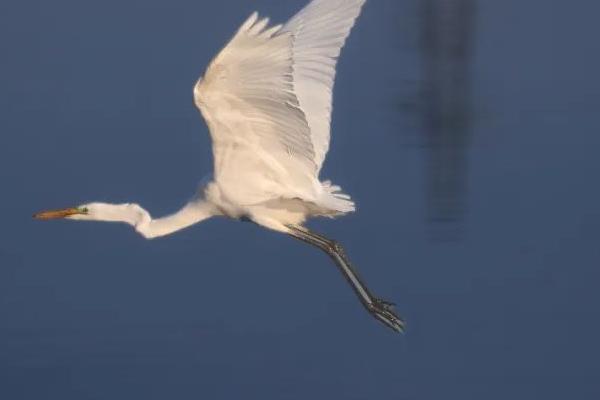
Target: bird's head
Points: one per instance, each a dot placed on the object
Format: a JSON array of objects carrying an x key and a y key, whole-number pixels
[
  {"x": 130, "y": 213},
  {"x": 80, "y": 212}
]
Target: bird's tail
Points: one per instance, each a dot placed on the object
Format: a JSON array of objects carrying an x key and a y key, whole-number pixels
[{"x": 336, "y": 200}]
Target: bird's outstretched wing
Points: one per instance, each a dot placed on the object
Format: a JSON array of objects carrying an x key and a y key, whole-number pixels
[
  {"x": 270, "y": 88},
  {"x": 320, "y": 31},
  {"x": 247, "y": 99}
]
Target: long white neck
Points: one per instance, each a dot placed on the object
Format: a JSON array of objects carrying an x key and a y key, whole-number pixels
[{"x": 142, "y": 221}]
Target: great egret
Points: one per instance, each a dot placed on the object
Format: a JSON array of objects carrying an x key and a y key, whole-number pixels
[{"x": 267, "y": 100}]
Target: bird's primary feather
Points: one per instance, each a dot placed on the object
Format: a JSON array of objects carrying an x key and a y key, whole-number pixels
[{"x": 320, "y": 31}]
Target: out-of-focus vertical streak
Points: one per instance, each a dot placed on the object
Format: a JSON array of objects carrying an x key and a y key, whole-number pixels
[{"x": 448, "y": 29}]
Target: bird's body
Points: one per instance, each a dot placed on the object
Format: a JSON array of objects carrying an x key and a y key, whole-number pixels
[{"x": 267, "y": 101}]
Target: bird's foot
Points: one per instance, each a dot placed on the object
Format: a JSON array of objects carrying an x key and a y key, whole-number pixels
[{"x": 384, "y": 312}]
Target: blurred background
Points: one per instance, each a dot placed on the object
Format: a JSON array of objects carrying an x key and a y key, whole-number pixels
[{"x": 466, "y": 131}]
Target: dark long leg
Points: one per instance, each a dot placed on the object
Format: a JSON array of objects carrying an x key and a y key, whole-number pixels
[{"x": 380, "y": 309}]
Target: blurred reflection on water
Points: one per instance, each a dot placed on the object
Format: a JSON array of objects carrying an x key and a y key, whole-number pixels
[{"x": 447, "y": 34}]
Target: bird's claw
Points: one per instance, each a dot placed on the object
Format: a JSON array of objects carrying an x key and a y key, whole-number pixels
[{"x": 384, "y": 312}]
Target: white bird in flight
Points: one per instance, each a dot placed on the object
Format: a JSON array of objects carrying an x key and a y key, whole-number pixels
[{"x": 267, "y": 101}]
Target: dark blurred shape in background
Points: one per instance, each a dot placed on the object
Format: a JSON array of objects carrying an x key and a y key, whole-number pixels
[{"x": 447, "y": 36}]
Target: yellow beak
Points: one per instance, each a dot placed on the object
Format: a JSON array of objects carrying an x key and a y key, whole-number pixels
[{"x": 56, "y": 214}]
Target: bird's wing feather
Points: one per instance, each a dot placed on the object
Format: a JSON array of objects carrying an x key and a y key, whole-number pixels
[
  {"x": 320, "y": 31},
  {"x": 247, "y": 98}
]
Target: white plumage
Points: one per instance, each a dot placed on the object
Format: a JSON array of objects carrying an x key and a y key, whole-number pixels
[
  {"x": 267, "y": 100},
  {"x": 320, "y": 31}
]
